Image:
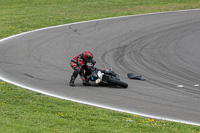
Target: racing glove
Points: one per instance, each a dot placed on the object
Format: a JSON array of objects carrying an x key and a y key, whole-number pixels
[{"x": 93, "y": 62}]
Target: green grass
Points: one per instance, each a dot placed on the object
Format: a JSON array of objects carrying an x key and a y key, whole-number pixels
[
  {"x": 26, "y": 112},
  {"x": 23, "y": 111},
  {"x": 18, "y": 16}
]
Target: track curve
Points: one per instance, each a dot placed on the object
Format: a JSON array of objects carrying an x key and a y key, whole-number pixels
[{"x": 163, "y": 47}]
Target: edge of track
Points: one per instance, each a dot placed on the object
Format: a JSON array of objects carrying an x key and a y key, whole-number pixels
[{"x": 90, "y": 103}]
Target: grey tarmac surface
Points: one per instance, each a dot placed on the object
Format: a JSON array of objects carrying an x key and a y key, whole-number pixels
[{"x": 164, "y": 48}]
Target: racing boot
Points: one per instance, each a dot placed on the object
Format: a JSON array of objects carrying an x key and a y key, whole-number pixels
[
  {"x": 73, "y": 77},
  {"x": 71, "y": 83}
]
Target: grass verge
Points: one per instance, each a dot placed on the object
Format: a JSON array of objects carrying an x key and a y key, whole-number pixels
[{"x": 25, "y": 111}]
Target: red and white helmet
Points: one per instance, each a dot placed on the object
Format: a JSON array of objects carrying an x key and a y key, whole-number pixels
[{"x": 87, "y": 56}]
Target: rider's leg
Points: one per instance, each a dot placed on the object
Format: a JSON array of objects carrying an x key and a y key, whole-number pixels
[
  {"x": 73, "y": 77},
  {"x": 83, "y": 75},
  {"x": 74, "y": 74}
]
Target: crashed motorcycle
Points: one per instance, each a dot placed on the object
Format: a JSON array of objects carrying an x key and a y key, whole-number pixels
[{"x": 104, "y": 77}]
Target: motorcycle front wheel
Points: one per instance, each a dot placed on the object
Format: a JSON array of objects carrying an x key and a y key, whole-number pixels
[{"x": 118, "y": 82}]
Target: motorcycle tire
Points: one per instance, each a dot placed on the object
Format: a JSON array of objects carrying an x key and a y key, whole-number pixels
[{"x": 118, "y": 82}]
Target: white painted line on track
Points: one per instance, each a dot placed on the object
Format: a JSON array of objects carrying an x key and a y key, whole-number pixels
[
  {"x": 99, "y": 106},
  {"x": 197, "y": 85},
  {"x": 180, "y": 86},
  {"x": 95, "y": 21},
  {"x": 90, "y": 103}
]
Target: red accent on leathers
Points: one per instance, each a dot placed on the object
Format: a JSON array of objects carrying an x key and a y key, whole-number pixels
[
  {"x": 78, "y": 60},
  {"x": 76, "y": 63}
]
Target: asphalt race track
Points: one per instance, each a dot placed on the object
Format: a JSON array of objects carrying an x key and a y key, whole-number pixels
[{"x": 163, "y": 47}]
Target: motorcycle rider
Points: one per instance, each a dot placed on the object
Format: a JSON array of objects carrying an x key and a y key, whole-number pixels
[{"x": 79, "y": 65}]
